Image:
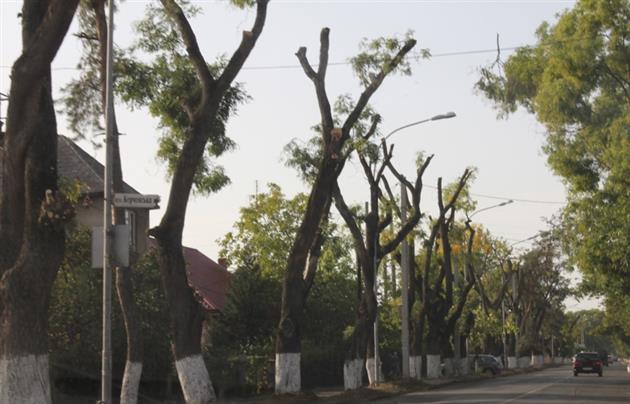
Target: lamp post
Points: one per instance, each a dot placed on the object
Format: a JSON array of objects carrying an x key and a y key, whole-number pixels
[{"x": 404, "y": 266}]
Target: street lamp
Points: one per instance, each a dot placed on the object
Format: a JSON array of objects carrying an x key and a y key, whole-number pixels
[
  {"x": 447, "y": 115},
  {"x": 509, "y": 201},
  {"x": 404, "y": 267}
]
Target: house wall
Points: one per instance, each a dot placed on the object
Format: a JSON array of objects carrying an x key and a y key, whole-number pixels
[{"x": 92, "y": 215}]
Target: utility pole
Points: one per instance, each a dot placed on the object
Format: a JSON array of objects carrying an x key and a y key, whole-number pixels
[
  {"x": 376, "y": 359},
  {"x": 106, "y": 360},
  {"x": 404, "y": 290},
  {"x": 375, "y": 288},
  {"x": 503, "y": 335}
]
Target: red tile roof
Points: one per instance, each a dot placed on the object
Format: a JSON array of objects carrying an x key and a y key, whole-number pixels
[{"x": 208, "y": 279}]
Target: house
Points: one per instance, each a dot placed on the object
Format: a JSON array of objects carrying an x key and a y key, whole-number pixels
[{"x": 208, "y": 278}]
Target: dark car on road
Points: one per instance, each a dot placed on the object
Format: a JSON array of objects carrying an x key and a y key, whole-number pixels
[
  {"x": 486, "y": 364},
  {"x": 587, "y": 362}
]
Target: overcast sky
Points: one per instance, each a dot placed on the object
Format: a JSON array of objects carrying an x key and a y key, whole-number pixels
[{"x": 461, "y": 36}]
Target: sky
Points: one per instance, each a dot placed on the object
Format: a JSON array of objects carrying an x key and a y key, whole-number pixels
[{"x": 461, "y": 36}]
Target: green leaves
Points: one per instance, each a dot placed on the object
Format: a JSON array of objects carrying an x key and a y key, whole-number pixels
[
  {"x": 575, "y": 80},
  {"x": 379, "y": 54}
]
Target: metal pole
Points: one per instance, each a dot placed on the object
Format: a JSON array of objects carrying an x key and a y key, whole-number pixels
[
  {"x": 106, "y": 361},
  {"x": 376, "y": 378},
  {"x": 404, "y": 286},
  {"x": 505, "y": 360}
]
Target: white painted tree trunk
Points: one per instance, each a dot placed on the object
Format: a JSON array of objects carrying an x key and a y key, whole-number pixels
[
  {"x": 523, "y": 361},
  {"x": 288, "y": 379},
  {"x": 195, "y": 380},
  {"x": 369, "y": 366},
  {"x": 131, "y": 383},
  {"x": 512, "y": 362},
  {"x": 433, "y": 366},
  {"x": 536, "y": 361},
  {"x": 415, "y": 367},
  {"x": 449, "y": 367},
  {"x": 25, "y": 380},
  {"x": 352, "y": 374},
  {"x": 463, "y": 366}
]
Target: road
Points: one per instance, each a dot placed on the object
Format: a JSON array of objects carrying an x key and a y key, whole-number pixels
[{"x": 557, "y": 385}]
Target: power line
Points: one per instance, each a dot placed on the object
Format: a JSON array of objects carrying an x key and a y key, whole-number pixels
[
  {"x": 297, "y": 66},
  {"x": 506, "y": 198}
]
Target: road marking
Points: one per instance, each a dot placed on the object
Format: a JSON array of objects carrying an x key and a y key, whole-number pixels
[{"x": 533, "y": 391}]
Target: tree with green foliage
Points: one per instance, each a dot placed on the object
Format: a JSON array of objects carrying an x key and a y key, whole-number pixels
[
  {"x": 33, "y": 214},
  {"x": 257, "y": 248},
  {"x": 380, "y": 58},
  {"x": 576, "y": 80},
  {"x": 541, "y": 290},
  {"x": 193, "y": 101}
]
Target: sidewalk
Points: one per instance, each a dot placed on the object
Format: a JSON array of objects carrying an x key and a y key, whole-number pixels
[{"x": 337, "y": 395}]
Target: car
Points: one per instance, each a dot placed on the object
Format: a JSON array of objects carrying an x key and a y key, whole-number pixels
[
  {"x": 588, "y": 362},
  {"x": 486, "y": 364}
]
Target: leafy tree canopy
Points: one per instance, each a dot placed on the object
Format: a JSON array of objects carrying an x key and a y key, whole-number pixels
[
  {"x": 166, "y": 84},
  {"x": 265, "y": 232},
  {"x": 576, "y": 81}
]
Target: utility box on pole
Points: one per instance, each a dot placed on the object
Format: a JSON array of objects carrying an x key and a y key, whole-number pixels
[{"x": 119, "y": 249}]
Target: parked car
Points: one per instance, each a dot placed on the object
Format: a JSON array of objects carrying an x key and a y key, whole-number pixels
[
  {"x": 487, "y": 364},
  {"x": 587, "y": 362}
]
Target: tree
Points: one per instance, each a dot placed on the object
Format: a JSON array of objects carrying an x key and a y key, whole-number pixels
[
  {"x": 576, "y": 82},
  {"x": 32, "y": 212},
  {"x": 438, "y": 288},
  {"x": 541, "y": 288},
  {"x": 193, "y": 101},
  {"x": 257, "y": 248},
  {"x": 85, "y": 104},
  {"x": 372, "y": 67},
  {"x": 370, "y": 251}
]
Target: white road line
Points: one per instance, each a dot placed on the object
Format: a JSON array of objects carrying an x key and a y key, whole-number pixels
[{"x": 534, "y": 390}]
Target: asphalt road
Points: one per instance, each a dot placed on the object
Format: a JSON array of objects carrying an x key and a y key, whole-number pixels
[{"x": 556, "y": 385}]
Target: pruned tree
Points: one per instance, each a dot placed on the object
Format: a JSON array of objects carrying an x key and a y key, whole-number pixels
[
  {"x": 193, "y": 101},
  {"x": 370, "y": 252},
  {"x": 439, "y": 305},
  {"x": 302, "y": 260},
  {"x": 32, "y": 211}
]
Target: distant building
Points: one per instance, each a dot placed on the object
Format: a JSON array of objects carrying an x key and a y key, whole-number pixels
[{"x": 208, "y": 278}]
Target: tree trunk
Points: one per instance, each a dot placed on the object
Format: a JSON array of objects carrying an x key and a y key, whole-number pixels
[
  {"x": 434, "y": 349},
  {"x": 32, "y": 213},
  {"x": 353, "y": 365},
  {"x": 186, "y": 314},
  {"x": 186, "y": 317}
]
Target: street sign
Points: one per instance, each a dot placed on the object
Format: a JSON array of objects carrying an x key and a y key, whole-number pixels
[
  {"x": 136, "y": 201},
  {"x": 120, "y": 245}
]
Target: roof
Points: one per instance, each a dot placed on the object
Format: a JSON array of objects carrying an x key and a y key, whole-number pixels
[
  {"x": 208, "y": 279},
  {"x": 75, "y": 164}
]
